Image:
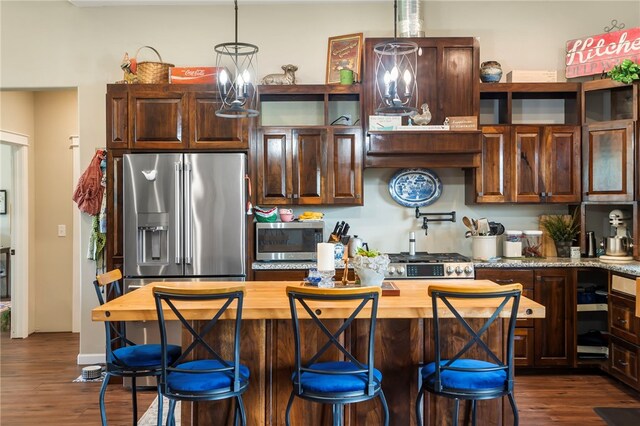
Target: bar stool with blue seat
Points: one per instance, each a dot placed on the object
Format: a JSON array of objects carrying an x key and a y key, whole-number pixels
[
  {"x": 201, "y": 373},
  {"x": 460, "y": 376},
  {"x": 124, "y": 358},
  {"x": 335, "y": 382}
]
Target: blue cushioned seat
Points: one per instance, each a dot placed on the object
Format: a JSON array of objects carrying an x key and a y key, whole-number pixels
[
  {"x": 203, "y": 382},
  {"x": 318, "y": 382},
  {"x": 475, "y": 380},
  {"x": 144, "y": 355}
]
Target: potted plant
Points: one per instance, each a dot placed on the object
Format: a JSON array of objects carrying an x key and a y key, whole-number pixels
[
  {"x": 562, "y": 230},
  {"x": 370, "y": 266},
  {"x": 625, "y": 72}
]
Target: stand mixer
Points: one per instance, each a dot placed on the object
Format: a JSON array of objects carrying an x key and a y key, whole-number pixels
[{"x": 618, "y": 245}]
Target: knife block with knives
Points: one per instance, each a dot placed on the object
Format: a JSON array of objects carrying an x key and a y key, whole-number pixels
[{"x": 339, "y": 234}]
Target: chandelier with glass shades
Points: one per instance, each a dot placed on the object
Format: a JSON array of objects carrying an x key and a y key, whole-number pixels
[
  {"x": 396, "y": 63},
  {"x": 237, "y": 66}
]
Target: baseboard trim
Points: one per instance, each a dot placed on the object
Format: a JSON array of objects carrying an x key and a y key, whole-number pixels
[{"x": 90, "y": 359}]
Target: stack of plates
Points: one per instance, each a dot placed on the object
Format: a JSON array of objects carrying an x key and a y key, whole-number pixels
[{"x": 615, "y": 259}]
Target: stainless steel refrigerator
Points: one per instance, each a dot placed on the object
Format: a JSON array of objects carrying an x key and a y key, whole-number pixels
[
  {"x": 184, "y": 215},
  {"x": 184, "y": 219}
]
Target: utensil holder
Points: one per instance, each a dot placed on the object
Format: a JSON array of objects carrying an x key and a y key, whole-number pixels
[{"x": 484, "y": 247}]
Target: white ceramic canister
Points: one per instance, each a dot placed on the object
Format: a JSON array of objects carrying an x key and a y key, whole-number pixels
[{"x": 484, "y": 247}]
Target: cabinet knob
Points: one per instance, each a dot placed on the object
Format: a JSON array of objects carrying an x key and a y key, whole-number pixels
[
  {"x": 623, "y": 363},
  {"x": 543, "y": 194},
  {"x": 295, "y": 195},
  {"x": 622, "y": 321},
  {"x": 549, "y": 194},
  {"x": 480, "y": 194},
  {"x": 358, "y": 196}
]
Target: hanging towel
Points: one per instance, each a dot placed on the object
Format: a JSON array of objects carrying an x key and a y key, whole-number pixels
[{"x": 89, "y": 192}]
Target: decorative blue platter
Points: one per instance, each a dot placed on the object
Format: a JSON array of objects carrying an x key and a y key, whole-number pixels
[{"x": 415, "y": 187}]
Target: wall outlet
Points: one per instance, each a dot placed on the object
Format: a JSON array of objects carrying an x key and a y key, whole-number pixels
[{"x": 62, "y": 230}]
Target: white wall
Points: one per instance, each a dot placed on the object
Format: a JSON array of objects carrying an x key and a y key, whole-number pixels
[{"x": 54, "y": 44}]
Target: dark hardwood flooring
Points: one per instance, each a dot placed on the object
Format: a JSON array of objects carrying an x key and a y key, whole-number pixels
[{"x": 36, "y": 388}]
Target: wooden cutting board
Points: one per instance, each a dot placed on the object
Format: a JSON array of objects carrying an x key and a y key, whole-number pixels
[{"x": 548, "y": 246}]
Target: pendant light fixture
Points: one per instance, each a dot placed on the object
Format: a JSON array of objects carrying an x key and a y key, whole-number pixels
[
  {"x": 396, "y": 64},
  {"x": 237, "y": 66}
]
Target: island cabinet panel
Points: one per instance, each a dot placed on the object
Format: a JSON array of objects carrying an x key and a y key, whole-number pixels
[{"x": 555, "y": 334}]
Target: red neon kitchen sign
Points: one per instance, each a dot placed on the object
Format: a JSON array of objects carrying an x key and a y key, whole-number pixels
[{"x": 599, "y": 53}]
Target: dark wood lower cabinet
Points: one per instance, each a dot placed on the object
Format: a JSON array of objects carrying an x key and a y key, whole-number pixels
[{"x": 402, "y": 345}]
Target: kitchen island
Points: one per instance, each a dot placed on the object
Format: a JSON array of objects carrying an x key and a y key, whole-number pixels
[{"x": 403, "y": 342}]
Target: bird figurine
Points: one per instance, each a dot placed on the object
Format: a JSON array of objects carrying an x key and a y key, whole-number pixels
[
  {"x": 424, "y": 118},
  {"x": 129, "y": 67}
]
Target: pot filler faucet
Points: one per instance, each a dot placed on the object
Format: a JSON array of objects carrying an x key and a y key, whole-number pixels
[{"x": 434, "y": 217}]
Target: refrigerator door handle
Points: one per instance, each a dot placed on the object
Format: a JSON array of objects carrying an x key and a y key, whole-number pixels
[
  {"x": 178, "y": 210},
  {"x": 188, "y": 258}
]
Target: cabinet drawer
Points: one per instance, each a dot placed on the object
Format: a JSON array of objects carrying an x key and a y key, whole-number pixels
[
  {"x": 623, "y": 321},
  {"x": 523, "y": 346},
  {"x": 507, "y": 276},
  {"x": 624, "y": 362}
]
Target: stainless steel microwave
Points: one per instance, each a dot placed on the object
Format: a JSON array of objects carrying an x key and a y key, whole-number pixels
[{"x": 288, "y": 240}]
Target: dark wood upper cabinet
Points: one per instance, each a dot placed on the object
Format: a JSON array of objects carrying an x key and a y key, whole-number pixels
[
  {"x": 448, "y": 77},
  {"x": 608, "y": 155},
  {"x": 115, "y": 241},
  {"x": 308, "y": 150},
  {"x": 158, "y": 119},
  {"x": 344, "y": 180},
  {"x": 530, "y": 130},
  {"x": 491, "y": 182},
  {"x": 117, "y": 117},
  {"x": 210, "y": 131},
  {"x": 562, "y": 163},
  {"x": 172, "y": 117}
]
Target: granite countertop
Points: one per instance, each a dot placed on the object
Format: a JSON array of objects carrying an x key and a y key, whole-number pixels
[{"x": 632, "y": 268}]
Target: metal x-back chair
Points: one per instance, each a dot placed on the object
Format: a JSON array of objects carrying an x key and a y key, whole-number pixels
[
  {"x": 201, "y": 373},
  {"x": 335, "y": 382},
  {"x": 125, "y": 358},
  {"x": 460, "y": 377}
]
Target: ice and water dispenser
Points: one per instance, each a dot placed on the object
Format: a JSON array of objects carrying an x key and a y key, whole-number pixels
[{"x": 153, "y": 238}]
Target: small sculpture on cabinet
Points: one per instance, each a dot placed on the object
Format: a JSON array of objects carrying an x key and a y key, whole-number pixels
[
  {"x": 424, "y": 118},
  {"x": 289, "y": 76}
]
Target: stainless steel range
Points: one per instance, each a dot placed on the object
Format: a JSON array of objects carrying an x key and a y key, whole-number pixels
[{"x": 424, "y": 265}]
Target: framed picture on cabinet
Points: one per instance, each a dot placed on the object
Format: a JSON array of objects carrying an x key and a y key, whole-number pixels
[
  {"x": 3, "y": 201},
  {"x": 344, "y": 53}
]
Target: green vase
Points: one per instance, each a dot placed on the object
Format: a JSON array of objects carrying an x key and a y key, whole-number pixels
[{"x": 563, "y": 248}]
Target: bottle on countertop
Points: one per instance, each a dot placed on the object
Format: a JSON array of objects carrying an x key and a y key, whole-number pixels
[{"x": 412, "y": 244}]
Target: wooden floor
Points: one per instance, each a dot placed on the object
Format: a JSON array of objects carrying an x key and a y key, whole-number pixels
[{"x": 36, "y": 389}]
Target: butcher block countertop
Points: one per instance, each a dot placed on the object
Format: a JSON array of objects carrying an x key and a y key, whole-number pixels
[{"x": 268, "y": 300}]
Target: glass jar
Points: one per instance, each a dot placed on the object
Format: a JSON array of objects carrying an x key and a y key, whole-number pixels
[
  {"x": 532, "y": 243},
  {"x": 512, "y": 244}
]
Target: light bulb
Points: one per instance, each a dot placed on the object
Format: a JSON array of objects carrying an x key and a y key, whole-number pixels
[
  {"x": 245, "y": 76},
  {"x": 407, "y": 78},
  {"x": 394, "y": 73},
  {"x": 224, "y": 78},
  {"x": 387, "y": 77},
  {"x": 240, "y": 80}
]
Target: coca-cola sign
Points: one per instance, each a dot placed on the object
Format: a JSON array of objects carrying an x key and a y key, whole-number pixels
[{"x": 599, "y": 53}]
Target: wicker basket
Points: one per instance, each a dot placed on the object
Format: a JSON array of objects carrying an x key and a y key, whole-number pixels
[{"x": 152, "y": 72}]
